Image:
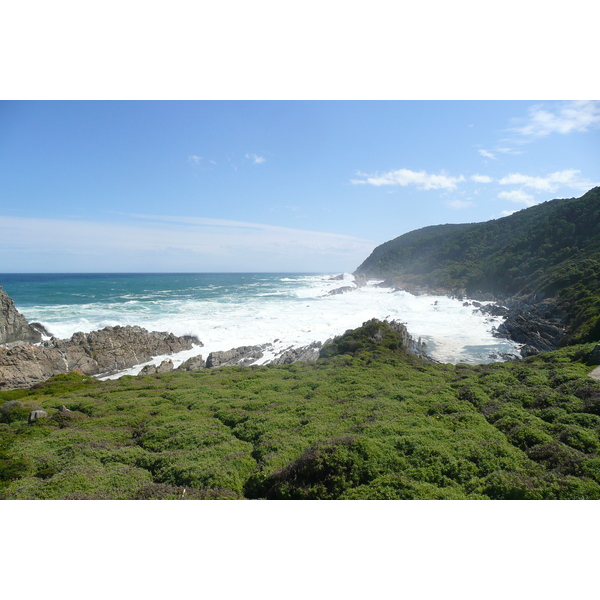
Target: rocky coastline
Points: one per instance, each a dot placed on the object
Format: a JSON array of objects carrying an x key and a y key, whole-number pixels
[
  {"x": 537, "y": 324},
  {"x": 28, "y": 357}
]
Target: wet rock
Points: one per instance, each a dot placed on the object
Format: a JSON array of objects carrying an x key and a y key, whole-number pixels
[
  {"x": 341, "y": 290},
  {"x": 529, "y": 350},
  {"x": 360, "y": 281},
  {"x": 308, "y": 353},
  {"x": 529, "y": 329},
  {"x": 40, "y": 329},
  {"x": 494, "y": 310}
]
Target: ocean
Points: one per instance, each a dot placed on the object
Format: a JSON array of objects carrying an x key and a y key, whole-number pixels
[{"x": 227, "y": 310}]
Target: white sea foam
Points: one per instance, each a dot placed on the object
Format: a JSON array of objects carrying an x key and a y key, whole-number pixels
[{"x": 295, "y": 313}]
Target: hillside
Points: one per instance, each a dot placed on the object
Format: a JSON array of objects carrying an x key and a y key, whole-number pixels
[
  {"x": 367, "y": 421},
  {"x": 548, "y": 251}
]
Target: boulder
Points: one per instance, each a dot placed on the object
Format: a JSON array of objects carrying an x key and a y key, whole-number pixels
[
  {"x": 193, "y": 364},
  {"x": 34, "y": 415},
  {"x": 164, "y": 367},
  {"x": 13, "y": 325}
]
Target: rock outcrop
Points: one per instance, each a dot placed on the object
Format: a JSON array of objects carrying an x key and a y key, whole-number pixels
[
  {"x": 193, "y": 364},
  {"x": 107, "y": 351},
  {"x": 13, "y": 325},
  {"x": 164, "y": 367},
  {"x": 359, "y": 281},
  {"x": 536, "y": 325},
  {"x": 303, "y": 354},
  {"x": 242, "y": 356}
]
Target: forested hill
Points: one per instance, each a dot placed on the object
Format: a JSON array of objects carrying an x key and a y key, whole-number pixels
[{"x": 551, "y": 249}]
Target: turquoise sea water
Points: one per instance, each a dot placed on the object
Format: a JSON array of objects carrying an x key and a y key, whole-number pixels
[{"x": 225, "y": 310}]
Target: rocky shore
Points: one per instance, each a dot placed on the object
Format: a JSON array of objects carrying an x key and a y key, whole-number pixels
[
  {"x": 535, "y": 323},
  {"x": 105, "y": 352},
  {"x": 26, "y": 360}
]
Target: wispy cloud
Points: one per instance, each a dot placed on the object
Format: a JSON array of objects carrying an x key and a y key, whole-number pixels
[
  {"x": 481, "y": 178},
  {"x": 518, "y": 196},
  {"x": 256, "y": 160},
  {"x": 549, "y": 183},
  {"x": 404, "y": 177},
  {"x": 156, "y": 242},
  {"x": 563, "y": 118},
  {"x": 195, "y": 160},
  {"x": 487, "y": 154},
  {"x": 459, "y": 204}
]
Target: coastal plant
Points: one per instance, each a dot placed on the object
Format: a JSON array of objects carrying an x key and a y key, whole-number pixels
[{"x": 369, "y": 424}]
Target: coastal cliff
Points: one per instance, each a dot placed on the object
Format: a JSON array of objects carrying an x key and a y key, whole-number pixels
[{"x": 542, "y": 263}]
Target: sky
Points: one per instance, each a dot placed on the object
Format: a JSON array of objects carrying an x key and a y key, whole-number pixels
[{"x": 278, "y": 186}]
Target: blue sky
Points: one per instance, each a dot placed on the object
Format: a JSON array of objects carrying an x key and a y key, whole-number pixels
[{"x": 308, "y": 186}]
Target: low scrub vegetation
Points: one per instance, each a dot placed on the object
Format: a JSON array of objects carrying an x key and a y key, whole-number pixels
[{"x": 363, "y": 423}]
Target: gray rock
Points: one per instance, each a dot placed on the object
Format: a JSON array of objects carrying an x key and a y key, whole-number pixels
[
  {"x": 360, "y": 280},
  {"x": 341, "y": 290},
  {"x": 594, "y": 358},
  {"x": 13, "y": 325},
  {"x": 196, "y": 363},
  {"x": 529, "y": 350},
  {"x": 107, "y": 351},
  {"x": 164, "y": 367},
  {"x": 308, "y": 353},
  {"x": 8, "y": 406},
  {"x": 243, "y": 356},
  {"x": 34, "y": 415},
  {"x": 40, "y": 329}
]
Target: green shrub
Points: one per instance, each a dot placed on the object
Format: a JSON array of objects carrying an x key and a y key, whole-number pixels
[{"x": 579, "y": 438}]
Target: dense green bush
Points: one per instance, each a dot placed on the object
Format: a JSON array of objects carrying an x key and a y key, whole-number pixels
[{"x": 371, "y": 424}]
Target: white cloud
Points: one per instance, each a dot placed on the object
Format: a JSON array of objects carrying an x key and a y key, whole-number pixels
[
  {"x": 155, "y": 243},
  {"x": 505, "y": 150},
  {"x": 481, "y": 178},
  {"x": 487, "y": 154},
  {"x": 550, "y": 183},
  {"x": 257, "y": 160},
  {"x": 459, "y": 204},
  {"x": 404, "y": 177},
  {"x": 518, "y": 196},
  {"x": 564, "y": 118},
  {"x": 195, "y": 160},
  {"x": 507, "y": 213}
]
